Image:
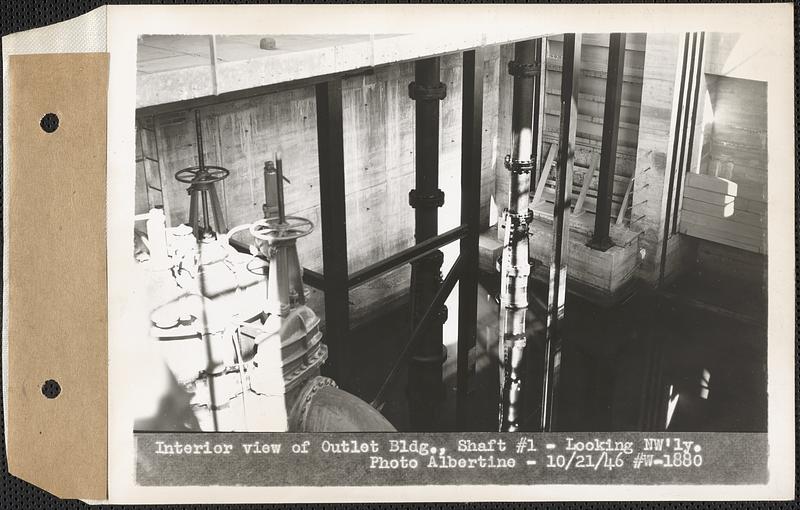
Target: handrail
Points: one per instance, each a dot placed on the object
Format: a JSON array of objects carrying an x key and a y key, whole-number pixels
[
  {"x": 438, "y": 300},
  {"x": 408, "y": 255}
]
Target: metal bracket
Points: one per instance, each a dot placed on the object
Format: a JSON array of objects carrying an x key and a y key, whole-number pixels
[
  {"x": 426, "y": 92},
  {"x": 518, "y": 167},
  {"x": 516, "y": 219},
  {"x": 430, "y": 201},
  {"x": 519, "y": 70}
]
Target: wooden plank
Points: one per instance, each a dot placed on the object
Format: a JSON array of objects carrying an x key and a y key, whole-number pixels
[
  {"x": 591, "y": 128},
  {"x": 544, "y": 174},
  {"x": 620, "y": 182},
  {"x": 711, "y": 183},
  {"x": 596, "y": 69},
  {"x": 708, "y": 196},
  {"x": 749, "y": 218},
  {"x": 717, "y": 210},
  {"x": 755, "y": 206},
  {"x": 624, "y": 207},
  {"x": 589, "y": 206},
  {"x": 727, "y": 233},
  {"x": 703, "y": 233},
  {"x": 727, "y": 225},
  {"x": 587, "y": 181}
]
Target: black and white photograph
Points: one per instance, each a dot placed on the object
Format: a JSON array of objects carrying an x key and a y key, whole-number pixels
[
  {"x": 320, "y": 253},
  {"x": 566, "y": 233}
]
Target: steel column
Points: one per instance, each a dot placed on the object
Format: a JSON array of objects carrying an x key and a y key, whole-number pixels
[
  {"x": 425, "y": 387},
  {"x": 471, "y": 131},
  {"x": 515, "y": 267},
  {"x": 560, "y": 252},
  {"x": 333, "y": 225},
  {"x": 608, "y": 151}
]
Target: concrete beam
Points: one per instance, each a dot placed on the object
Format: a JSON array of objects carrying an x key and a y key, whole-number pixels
[{"x": 242, "y": 65}]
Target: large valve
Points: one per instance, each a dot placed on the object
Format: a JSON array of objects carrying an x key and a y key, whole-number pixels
[
  {"x": 278, "y": 236},
  {"x": 201, "y": 179}
]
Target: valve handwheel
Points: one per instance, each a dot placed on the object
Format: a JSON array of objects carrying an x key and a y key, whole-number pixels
[
  {"x": 272, "y": 229},
  {"x": 206, "y": 174}
]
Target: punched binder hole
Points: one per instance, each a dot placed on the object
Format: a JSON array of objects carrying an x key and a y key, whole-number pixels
[
  {"x": 51, "y": 388},
  {"x": 49, "y": 122}
]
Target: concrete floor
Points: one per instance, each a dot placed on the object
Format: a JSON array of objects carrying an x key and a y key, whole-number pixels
[{"x": 618, "y": 363}]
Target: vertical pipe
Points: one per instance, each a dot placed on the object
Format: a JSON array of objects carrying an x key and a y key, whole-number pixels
[
  {"x": 515, "y": 267},
  {"x": 608, "y": 152},
  {"x": 333, "y": 224},
  {"x": 201, "y": 162},
  {"x": 471, "y": 131},
  {"x": 558, "y": 265},
  {"x": 425, "y": 388}
]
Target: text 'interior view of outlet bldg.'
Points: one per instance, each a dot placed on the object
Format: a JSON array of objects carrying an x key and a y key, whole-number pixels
[{"x": 391, "y": 232}]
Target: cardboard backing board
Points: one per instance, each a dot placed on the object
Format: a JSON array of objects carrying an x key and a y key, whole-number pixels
[{"x": 57, "y": 286}]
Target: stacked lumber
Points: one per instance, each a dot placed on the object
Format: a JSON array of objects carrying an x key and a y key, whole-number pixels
[
  {"x": 720, "y": 210},
  {"x": 591, "y": 96},
  {"x": 584, "y": 189}
]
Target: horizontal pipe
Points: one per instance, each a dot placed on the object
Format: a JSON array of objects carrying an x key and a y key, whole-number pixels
[
  {"x": 411, "y": 254},
  {"x": 436, "y": 304}
]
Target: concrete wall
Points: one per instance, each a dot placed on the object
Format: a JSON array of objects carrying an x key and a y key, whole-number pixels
[
  {"x": 379, "y": 136},
  {"x": 654, "y": 148}
]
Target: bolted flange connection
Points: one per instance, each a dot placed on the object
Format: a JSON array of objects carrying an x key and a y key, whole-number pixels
[
  {"x": 427, "y": 93},
  {"x": 520, "y": 70},
  {"x": 517, "y": 222},
  {"x": 518, "y": 167},
  {"x": 426, "y": 201}
]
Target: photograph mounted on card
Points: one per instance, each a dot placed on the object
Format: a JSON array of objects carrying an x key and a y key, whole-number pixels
[{"x": 343, "y": 262}]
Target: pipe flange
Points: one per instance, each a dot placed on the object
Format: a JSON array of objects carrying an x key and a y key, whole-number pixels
[
  {"x": 516, "y": 220},
  {"x": 427, "y": 92},
  {"x": 303, "y": 404},
  {"x": 426, "y": 201},
  {"x": 518, "y": 167},
  {"x": 520, "y": 70},
  {"x": 435, "y": 359}
]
